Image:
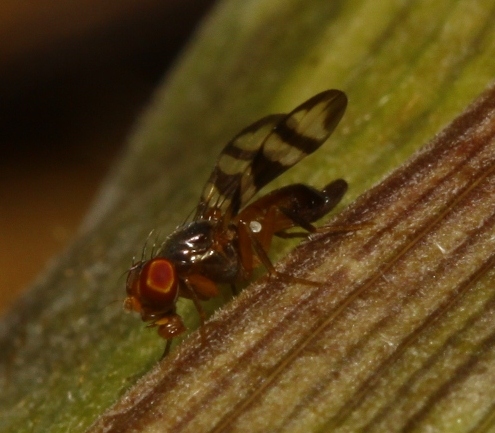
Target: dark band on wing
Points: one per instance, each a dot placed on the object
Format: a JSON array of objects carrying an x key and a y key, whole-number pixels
[
  {"x": 302, "y": 142},
  {"x": 247, "y": 143},
  {"x": 299, "y": 134},
  {"x": 223, "y": 189},
  {"x": 265, "y": 149}
]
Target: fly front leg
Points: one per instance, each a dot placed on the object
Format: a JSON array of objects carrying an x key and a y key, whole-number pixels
[
  {"x": 169, "y": 327},
  {"x": 196, "y": 287}
]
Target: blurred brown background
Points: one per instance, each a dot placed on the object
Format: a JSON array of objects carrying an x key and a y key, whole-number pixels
[{"x": 73, "y": 78}]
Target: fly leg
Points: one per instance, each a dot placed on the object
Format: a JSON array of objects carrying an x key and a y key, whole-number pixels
[
  {"x": 295, "y": 205},
  {"x": 197, "y": 287},
  {"x": 262, "y": 256}
]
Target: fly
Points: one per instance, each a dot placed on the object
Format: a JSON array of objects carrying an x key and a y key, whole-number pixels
[{"x": 229, "y": 236}]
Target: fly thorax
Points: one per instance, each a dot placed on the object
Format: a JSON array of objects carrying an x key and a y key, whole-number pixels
[{"x": 204, "y": 247}]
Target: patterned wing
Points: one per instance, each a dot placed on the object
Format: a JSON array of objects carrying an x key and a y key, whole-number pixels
[{"x": 267, "y": 148}]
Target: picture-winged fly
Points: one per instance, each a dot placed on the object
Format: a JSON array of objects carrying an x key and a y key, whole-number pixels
[{"x": 228, "y": 236}]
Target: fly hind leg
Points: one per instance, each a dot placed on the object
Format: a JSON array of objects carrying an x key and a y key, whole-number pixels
[
  {"x": 305, "y": 205},
  {"x": 295, "y": 205},
  {"x": 262, "y": 256},
  {"x": 309, "y": 205}
]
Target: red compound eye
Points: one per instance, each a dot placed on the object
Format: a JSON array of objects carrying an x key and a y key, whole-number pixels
[{"x": 157, "y": 284}]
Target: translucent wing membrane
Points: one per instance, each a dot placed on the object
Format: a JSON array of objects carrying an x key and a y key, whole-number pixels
[
  {"x": 266, "y": 149},
  {"x": 224, "y": 188}
]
